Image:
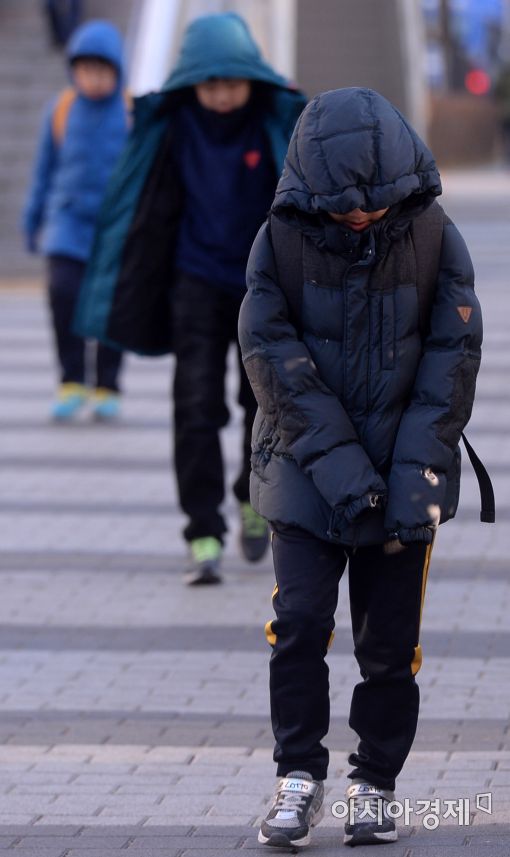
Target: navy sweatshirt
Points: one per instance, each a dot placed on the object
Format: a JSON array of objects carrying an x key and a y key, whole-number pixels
[{"x": 229, "y": 180}]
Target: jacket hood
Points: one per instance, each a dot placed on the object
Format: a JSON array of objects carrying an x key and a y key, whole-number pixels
[
  {"x": 352, "y": 148},
  {"x": 97, "y": 39},
  {"x": 220, "y": 46}
]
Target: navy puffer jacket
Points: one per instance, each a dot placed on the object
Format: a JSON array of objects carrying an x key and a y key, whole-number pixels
[{"x": 361, "y": 401}]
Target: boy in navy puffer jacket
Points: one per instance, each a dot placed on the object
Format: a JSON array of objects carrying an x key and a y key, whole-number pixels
[
  {"x": 81, "y": 138},
  {"x": 364, "y": 389}
]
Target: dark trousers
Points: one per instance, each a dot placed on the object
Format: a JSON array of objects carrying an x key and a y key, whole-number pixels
[
  {"x": 63, "y": 17},
  {"x": 64, "y": 280},
  {"x": 385, "y": 594},
  {"x": 204, "y": 325}
]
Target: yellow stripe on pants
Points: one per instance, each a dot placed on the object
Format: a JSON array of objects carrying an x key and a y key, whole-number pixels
[{"x": 417, "y": 660}]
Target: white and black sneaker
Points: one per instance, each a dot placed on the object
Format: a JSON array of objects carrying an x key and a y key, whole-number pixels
[
  {"x": 297, "y": 806},
  {"x": 369, "y": 822}
]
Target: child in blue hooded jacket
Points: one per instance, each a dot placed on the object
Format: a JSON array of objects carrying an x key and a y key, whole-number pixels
[
  {"x": 82, "y": 135},
  {"x": 168, "y": 271}
]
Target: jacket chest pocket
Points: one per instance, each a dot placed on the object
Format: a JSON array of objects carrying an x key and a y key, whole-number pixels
[{"x": 393, "y": 319}]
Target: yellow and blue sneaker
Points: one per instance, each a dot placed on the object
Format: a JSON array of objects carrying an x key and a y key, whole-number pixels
[
  {"x": 106, "y": 405},
  {"x": 70, "y": 399}
]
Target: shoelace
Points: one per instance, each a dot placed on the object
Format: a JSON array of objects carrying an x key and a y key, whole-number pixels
[
  {"x": 289, "y": 801},
  {"x": 372, "y": 806},
  {"x": 253, "y": 525}
]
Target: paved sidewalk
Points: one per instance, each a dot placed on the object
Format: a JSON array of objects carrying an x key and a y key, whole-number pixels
[{"x": 133, "y": 711}]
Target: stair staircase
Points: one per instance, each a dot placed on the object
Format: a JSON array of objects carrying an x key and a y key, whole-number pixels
[{"x": 31, "y": 72}]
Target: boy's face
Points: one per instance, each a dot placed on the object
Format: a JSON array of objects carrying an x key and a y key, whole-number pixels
[
  {"x": 223, "y": 94},
  {"x": 94, "y": 78},
  {"x": 358, "y": 220}
]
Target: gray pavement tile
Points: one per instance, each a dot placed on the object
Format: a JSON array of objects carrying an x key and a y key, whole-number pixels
[
  {"x": 26, "y": 851},
  {"x": 147, "y": 851},
  {"x": 84, "y": 842},
  {"x": 456, "y": 851},
  {"x": 218, "y": 730},
  {"x": 477, "y": 567},
  {"x": 20, "y": 831},
  {"x": 198, "y": 638},
  {"x": 198, "y": 842}
]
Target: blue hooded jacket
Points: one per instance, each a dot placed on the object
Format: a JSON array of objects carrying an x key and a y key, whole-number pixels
[
  {"x": 70, "y": 175},
  {"x": 126, "y": 294}
]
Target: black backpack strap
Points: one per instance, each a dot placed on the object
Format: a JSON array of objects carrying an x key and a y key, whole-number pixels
[
  {"x": 288, "y": 254},
  {"x": 427, "y": 236},
  {"x": 488, "y": 510}
]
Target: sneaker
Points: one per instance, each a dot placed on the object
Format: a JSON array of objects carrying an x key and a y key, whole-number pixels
[
  {"x": 106, "y": 405},
  {"x": 206, "y": 556},
  {"x": 254, "y": 536},
  {"x": 297, "y": 807},
  {"x": 369, "y": 823},
  {"x": 70, "y": 398}
]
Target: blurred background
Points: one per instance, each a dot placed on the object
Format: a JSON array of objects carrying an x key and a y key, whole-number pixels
[{"x": 444, "y": 63}]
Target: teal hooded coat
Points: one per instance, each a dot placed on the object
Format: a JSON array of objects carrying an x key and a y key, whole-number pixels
[{"x": 125, "y": 300}]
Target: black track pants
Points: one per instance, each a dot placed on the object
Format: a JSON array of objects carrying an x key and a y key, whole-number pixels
[
  {"x": 386, "y": 594},
  {"x": 204, "y": 324}
]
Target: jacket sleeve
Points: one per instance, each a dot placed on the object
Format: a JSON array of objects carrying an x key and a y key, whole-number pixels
[
  {"x": 442, "y": 398},
  {"x": 307, "y": 415},
  {"x": 44, "y": 165}
]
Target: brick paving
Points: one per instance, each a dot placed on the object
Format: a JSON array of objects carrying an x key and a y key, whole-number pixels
[{"x": 134, "y": 711}]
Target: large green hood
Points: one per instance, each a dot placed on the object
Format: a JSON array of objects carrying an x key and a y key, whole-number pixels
[{"x": 220, "y": 46}]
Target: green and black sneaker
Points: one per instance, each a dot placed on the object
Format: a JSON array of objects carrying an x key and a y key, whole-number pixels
[
  {"x": 254, "y": 536},
  {"x": 205, "y": 562}
]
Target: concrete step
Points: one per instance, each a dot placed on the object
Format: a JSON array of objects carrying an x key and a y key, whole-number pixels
[{"x": 32, "y": 70}]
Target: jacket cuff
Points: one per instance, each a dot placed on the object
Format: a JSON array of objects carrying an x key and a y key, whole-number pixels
[
  {"x": 425, "y": 535},
  {"x": 345, "y": 474},
  {"x": 415, "y": 498}
]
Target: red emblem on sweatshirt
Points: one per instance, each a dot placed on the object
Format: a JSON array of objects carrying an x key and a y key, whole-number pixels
[{"x": 252, "y": 158}]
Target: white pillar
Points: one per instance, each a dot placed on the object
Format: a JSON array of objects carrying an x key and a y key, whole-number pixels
[
  {"x": 283, "y": 35},
  {"x": 153, "y": 41},
  {"x": 413, "y": 55}
]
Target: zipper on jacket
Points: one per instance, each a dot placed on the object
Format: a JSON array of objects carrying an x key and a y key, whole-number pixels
[{"x": 365, "y": 262}]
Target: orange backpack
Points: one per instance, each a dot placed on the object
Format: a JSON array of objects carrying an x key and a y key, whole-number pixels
[{"x": 64, "y": 103}]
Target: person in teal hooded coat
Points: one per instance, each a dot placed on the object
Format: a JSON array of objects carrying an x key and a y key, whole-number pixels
[{"x": 168, "y": 268}]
